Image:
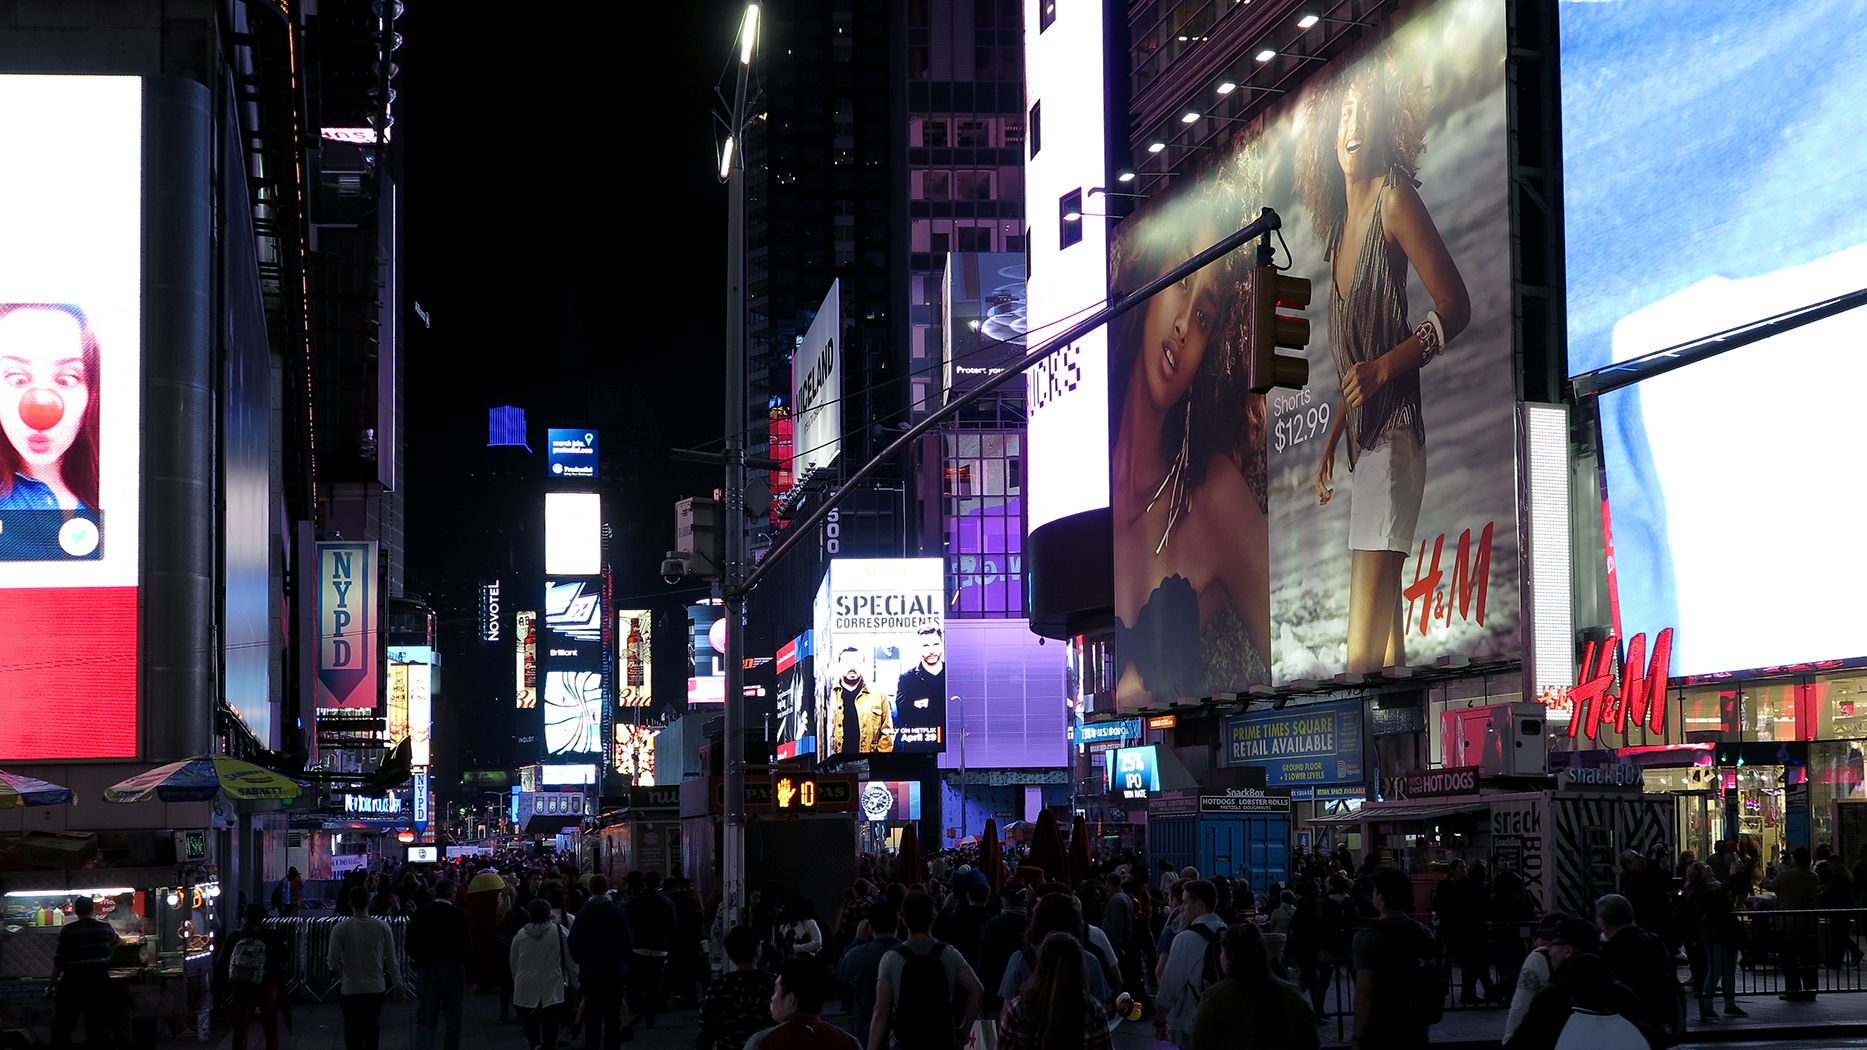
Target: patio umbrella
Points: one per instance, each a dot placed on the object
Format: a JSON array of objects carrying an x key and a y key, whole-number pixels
[
  {"x": 16, "y": 790},
  {"x": 992, "y": 855},
  {"x": 1080, "y": 857},
  {"x": 1047, "y": 847},
  {"x": 909, "y": 868},
  {"x": 204, "y": 778}
]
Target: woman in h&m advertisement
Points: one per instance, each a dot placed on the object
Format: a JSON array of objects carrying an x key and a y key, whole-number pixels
[{"x": 1356, "y": 176}]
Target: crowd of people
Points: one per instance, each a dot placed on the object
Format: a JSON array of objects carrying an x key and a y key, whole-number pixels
[{"x": 914, "y": 959}]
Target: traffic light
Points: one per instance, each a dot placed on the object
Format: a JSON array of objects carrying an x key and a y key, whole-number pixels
[{"x": 1269, "y": 330}]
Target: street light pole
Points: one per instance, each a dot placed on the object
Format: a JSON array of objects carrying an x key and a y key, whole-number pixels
[
  {"x": 961, "y": 701},
  {"x": 733, "y": 572}
]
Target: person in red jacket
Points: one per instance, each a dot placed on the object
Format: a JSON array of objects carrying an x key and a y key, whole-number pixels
[{"x": 795, "y": 1001}]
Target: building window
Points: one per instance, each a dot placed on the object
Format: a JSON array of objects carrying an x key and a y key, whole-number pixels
[
  {"x": 1070, "y": 218},
  {"x": 1037, "y": 127},
  {"x": 933, "y": 134},
  {"x": 974, "y": 238},
  {"x": 1014, "y": 133},
  {"x": 972, "y": 185},
  {"x": 984, "y": 512},
  {"x": 936, "y": 185},
  {"x": 972, "y": 134},
  {"x": 1046, "y": 14}
]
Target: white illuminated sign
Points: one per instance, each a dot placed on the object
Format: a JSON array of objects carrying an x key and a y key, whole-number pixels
[
  {"x": 573, "y": 533},
  {"x": 371, "y": 804},
  {"x": 817, "y": 387}
]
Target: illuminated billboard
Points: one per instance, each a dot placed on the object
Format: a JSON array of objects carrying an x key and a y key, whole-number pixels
[
  {"x": 1367, "y": 520},
  {"x": 573, "y": 613},
  {"x": 573, "y": 709},
  {"x": 70, "y": 415},
  {"x": 574, "y": 773},
  {"x": 525, "y": 629},
  {"x": 1132, "y": 772},
  {"x": 570, "y": 453},
  {"x": 346, "y": 672},
  {"x": 636, "y": 675},
  {"x": 706, "y": 651},
  {"x": 880, "y": 641},
  {"x": 817, "y": 388},
  {"x": 1067, "y": 392},
  {"x": 635, "y": 753},
  {"x": 411, "y": 700},
  {"x": 797, "y": 696},
  {"x": 1742, "y": 200},
  {"x": 573, "y": 533},
  {"x": 982, "y": 316},
  {"x": 889, "y": 799}
]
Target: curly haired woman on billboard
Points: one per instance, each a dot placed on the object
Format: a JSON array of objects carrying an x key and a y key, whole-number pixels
[
  {"x": 1365, "y": 134},
  {"x": 48, "y": 408},
  {"x": 1187, "y": 473}
]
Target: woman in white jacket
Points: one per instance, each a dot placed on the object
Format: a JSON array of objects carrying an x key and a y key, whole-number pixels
[
  {"x": 798, "y": 932},
  {"x": 541, "y": 967}
]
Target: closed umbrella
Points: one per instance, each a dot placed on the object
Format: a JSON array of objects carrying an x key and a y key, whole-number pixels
[
  {"x": 205, "y": 778},
  {"x": 992, "y": 855},
  {"x": 16, "y": 790},
  {"x": 1080, "y": 857},
  {"x": 909, "y": 868},
  {"x": 1047, "y": 847}
]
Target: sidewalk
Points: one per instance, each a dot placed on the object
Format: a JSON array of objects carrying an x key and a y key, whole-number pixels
[{"x": 320, "y": 1026}]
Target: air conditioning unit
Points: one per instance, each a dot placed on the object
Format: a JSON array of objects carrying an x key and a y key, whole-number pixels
[{"x": 1502, "y": 740}]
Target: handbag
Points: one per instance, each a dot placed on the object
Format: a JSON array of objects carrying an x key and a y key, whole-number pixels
[{"x": 984, "y": 1035}]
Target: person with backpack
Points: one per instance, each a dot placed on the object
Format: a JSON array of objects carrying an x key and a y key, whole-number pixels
[
  {"x": 1192, "y": 965},
  {"x": 1057, "y": 912},
  {"x": 1252, "y": 1007},
  {"x": 738, "y": 1003},
  {"x": 259, "y": 965},
  {"x": 862, "y": 964},
  {"x": 1640, "y": 960},
  {"x": 1584, "y": 1008},
  {"x": 1044, "y": 1014},
  {"x": 1400, "y": 990},
  {"x": 916, "y": 986},
  {"x": 602, "y": 944}
]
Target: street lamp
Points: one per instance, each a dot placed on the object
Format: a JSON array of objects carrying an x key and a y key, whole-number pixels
[{"x": 961, "y": 701}]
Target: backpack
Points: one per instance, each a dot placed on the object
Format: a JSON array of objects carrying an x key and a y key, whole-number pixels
[
  {"x": 247, "y": 962},
  {"x": 923, "y": 1011},
  {"x": 1210, "y": 972},
  {"x": 1426, "y": 981}
]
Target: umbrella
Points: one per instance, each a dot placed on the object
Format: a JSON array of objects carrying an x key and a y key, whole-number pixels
[
  {"x": 16, "y": 790},
  {"x": 205, "y": 778},
  {"x": 992, "y": 855},
  {"x": 1047, "y": 847},
  {"x": 1080, "y": 859},
  {"x": 909, "y": 868}
]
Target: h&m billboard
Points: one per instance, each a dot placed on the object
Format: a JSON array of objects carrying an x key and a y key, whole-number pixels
[{"x": 1367, "y": 520}]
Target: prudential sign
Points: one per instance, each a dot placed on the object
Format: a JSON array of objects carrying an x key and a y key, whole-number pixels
[{"x": 347, "y": 625}]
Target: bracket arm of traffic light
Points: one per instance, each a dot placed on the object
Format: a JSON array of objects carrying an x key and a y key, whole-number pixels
[{"x": 1118, "y": 304}]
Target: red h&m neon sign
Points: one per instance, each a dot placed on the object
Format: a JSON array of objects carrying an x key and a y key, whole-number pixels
[{"x": 1643, "y": 689}]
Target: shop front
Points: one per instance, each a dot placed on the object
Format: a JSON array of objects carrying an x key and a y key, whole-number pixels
[{"x": 1240, "y": 833}]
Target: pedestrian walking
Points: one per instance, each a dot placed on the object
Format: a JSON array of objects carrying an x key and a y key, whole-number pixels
[
  {"x": 80, "y": 983},
  {"x": 1718, "y": 932},
  {"x": 440, "y": 946},
  {"x": 541, "y": 968},
  {"x": 1054, "y": 1010},
  {"x": 1056, "y": 913},
  {"x": 738, "y": 1003},
  {"x": 1192, "y": 965},
  {"x": 1252, "y": 1007},
  {"x": 1796, "y": 889},
  {"x": 1535, "y": 974},
  {"x": 1639, "y": 959},
  {"x": 1584, "y": 1008},
  {"x": 1388, "y": 957},
  {"x": 861, "y": 965},
  {"x": 651, "y": 921},
  {"x": 1000, "y": 939},
  {"x": 796, "y": 1000},
  {"x": 602, "y": 944},
  {"x": 917, "y": 986},
  {"x": 259, "y": 964},
  {"x": 362, "y": 954}
]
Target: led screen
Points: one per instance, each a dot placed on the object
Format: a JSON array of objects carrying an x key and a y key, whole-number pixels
[
  {"x": 797, "y": 705},
  {"x": 890, "y": 799},
  {"x": 573, "y": 712},
  {"x": 346, "y": 609},
  {"x": 1132, "y": 771},
  {"x": 573, "y": 614},
  {"x": 706, "y": 647},
  {"x": 982, "y": 304},
  {"x": 817, "y": 388},
  {"x": 572, "y": 773},
  {"x": 1367, "y": 520},
  {"x": 1010, "y": 694},
  {"x": 1712, "y": 166},
  {"x": 1067, "y": 392},
  {"x": 573, "y": 533},
  {"x": 636, "y": 673},
  {"x": 70, "y": 415},
  {"x": 635, "y": 753},
  {"x": 880, "y": 642},
  {"x": 525, "y": 660},
  {"x": 571, "y": 453},
  {"x": 411, "y": 703}
]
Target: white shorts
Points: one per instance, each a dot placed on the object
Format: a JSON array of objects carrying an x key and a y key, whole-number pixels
[{"x": 1385, "y": 490}]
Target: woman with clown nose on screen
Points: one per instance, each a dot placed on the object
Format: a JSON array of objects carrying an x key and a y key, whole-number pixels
[{"x": 48, "y": 408}]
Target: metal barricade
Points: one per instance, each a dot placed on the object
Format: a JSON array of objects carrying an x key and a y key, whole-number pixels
[
  {"x": 1820, "y": 948},
  {"x": 310, "y": 941}
]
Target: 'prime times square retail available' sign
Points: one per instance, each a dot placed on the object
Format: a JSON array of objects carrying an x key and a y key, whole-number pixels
[{"x": 1319, "y": 744}]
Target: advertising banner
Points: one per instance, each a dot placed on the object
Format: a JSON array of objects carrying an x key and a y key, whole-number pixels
[
  {"x": 1132, "y": 772},
  {"x": 421, "y": 802},
  {"x": 982, "y": 306},
  {"x": 70, "y": 415},
  {"x": 881, "y": 637},
  {"x": 1368, "y": 519},
  {"x": 574, "y": 619},
  {"x": 890, "y": 799},
  {"x": 347, "y": 625},
  {"x": 489, "y": 611},
  {"x": 797, "y": 698},
  {"x": 1520, "y": 840},
  {"x": 411, "y": 713},
  {"x": 1318, "y": 744},
  {"x": 636, "y": 629},
  {"x": 1097, "y": 737},
  {"x": 635, "y": 753},
  {"x": 817, "y": 388},
  {"x": 1238, "y": 802},
  {"x": 573, "y": 533},
  {"x": 525, "y": 629},
  {"x": 571, "y": 453},
  {"x": 706, "y": 651},
  {"x": 573, "y": 712}
]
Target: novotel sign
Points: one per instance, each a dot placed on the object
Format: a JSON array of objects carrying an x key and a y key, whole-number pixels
[{"x": 372, "y": 804}]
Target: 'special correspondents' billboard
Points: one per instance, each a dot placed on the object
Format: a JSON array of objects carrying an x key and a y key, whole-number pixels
[
  {"x": 70, "y": 415},
  {"x": 880, "y": 642},
  {"x": 1368, "y": 519},
  {"x": 1712, "y": 164}
]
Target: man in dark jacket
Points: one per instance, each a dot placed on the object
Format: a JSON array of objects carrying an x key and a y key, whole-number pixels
[
  {"x": 440, "y": 945},
  {"x": 264, "y": 995},
  {"x": 1578, "y": 980},
  {"x": 1642, "y": 962},
  {"x": 1001, "y": 938},
  {"x": 651, "y": 919},
  {"x": 602, "y": 944},
  {"x": 81, "y": 976}
]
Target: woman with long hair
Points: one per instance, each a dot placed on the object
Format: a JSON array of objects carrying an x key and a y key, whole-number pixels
[
  {"x": 1187, "y": 472},
  {"x": 1251, "y": 1007},
  {"x": 49, "y": 415},
  {"x": 1054, "y": 1010},
  {"x": 1366, "y": 132}
]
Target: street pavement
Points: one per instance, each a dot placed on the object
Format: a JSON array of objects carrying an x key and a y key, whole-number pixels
[{"x": 1835, "y": 1020}]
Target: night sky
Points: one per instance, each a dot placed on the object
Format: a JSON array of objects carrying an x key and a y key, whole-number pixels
[{"x": 566, "y": 235}]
